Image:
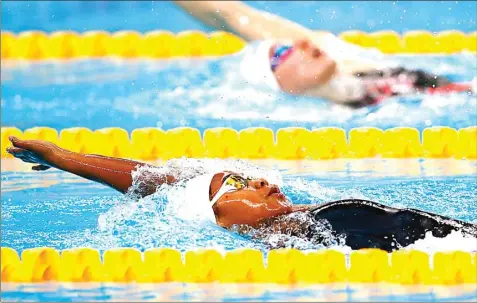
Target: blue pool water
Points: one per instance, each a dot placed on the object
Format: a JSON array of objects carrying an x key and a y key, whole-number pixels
[
  {"x": 334, "y": 16},
  {"x": 207, "y": 93},
  {"x": 59, "y": 210},
  {"x": 175, "y": 292},
  {"x": 62, "y": 211}
]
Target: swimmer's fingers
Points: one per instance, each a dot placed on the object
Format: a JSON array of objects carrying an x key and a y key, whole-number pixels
[
  {"x": 15, "y": 141},
  {"x": 40, "y": 167},
  {"x": 39, "y": 146},
  {"x": 15, "y": 151},
  {"x": 24, "y": 144},
  {"x": 21, "y": 154},
  {"x": 25, "y": 156}
]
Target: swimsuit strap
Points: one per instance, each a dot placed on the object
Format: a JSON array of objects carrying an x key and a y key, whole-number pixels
[{"x": 400, "y": 81}]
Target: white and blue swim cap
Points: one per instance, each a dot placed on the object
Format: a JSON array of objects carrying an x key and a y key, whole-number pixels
[{"x": 255, "y": 66}]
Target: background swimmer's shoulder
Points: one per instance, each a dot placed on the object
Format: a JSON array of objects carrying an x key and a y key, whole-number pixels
[{"x": 350, "y": 58}]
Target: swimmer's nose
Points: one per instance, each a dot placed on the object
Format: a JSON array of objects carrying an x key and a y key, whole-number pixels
[
  {"x": 316, "y": 52},
  {"x": 259, "y": 183},
  {"x": 274, "y": 189}
]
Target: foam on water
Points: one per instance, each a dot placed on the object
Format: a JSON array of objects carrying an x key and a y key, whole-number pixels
[{"x": 454, "y": 241}]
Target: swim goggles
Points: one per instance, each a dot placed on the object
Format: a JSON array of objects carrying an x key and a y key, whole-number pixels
[
  {"x": 280, "y": 54},
  {"x": 231, "y": 183}
]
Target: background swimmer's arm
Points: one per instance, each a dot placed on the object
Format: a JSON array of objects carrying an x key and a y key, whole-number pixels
[
  {"x": 253, "y": 24},
  {"x": 245, "y": 21},
  {"x": 113, "y": 172},
  {"x": 212, "y": 13}
]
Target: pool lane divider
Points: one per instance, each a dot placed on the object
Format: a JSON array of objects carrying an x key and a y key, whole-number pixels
[
  {"x": 38, "y": 45},
  {"x": 283, "y": 266},
  {"x": 291, "y": 143}
]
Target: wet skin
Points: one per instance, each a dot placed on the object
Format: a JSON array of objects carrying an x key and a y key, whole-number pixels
[
  {"x": 305, "y": 68},
  {"x": 256, "y": 204},
  {"x": 250, "y": 205}
]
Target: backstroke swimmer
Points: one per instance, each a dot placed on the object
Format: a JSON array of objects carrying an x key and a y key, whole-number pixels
[
  {"x": 291, "y": 58},
  {"x": 237, "y": 203}
]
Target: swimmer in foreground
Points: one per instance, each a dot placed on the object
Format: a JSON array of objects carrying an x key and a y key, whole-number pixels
[
  {"x": 235, "y": 202},
  {"x": 299, "y": 61}
]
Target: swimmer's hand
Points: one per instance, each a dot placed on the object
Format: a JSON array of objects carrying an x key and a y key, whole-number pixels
[
  {"x": 113, "y": 172},
  {"x": 32, "y": 151}
]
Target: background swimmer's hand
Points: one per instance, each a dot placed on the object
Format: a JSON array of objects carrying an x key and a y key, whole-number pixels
[{"x": 32, "y": 151}]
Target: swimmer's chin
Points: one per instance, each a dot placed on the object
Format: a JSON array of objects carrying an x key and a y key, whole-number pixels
[
  {"x": 280, "y": 197},
  {"x": 283, "y": 201}
]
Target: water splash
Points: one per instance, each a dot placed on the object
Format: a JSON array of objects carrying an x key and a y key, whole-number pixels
[
  {"x": 167, "y": 218},
  {"x": 452, "y": 242},
  {"x": 297, "y": 230}
]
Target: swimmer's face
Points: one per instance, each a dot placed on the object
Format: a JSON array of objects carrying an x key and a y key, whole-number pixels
[
  {"x": 305, "y": 68},
  {"x": 250, "y": 204}
]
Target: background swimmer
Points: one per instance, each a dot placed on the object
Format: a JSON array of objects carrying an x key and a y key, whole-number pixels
[
  {"x": 300, "y": 61},
  {"x": 253, "y": 206}
]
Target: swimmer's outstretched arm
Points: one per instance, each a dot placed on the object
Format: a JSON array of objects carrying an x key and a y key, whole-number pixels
[
  {"x": 253, "y": 24},
  {"x": 113, "y": 172},
  {"x": 247, "y": 22}
]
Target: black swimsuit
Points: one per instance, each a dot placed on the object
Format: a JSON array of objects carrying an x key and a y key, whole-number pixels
[
  {"x": 367, "y": 224},
  {"x": 386, "y": 83}
]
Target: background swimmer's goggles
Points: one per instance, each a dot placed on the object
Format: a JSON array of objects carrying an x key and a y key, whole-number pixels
[
  {"x": 231, "y": 183},
  {"x": 280, "y": 54}
]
